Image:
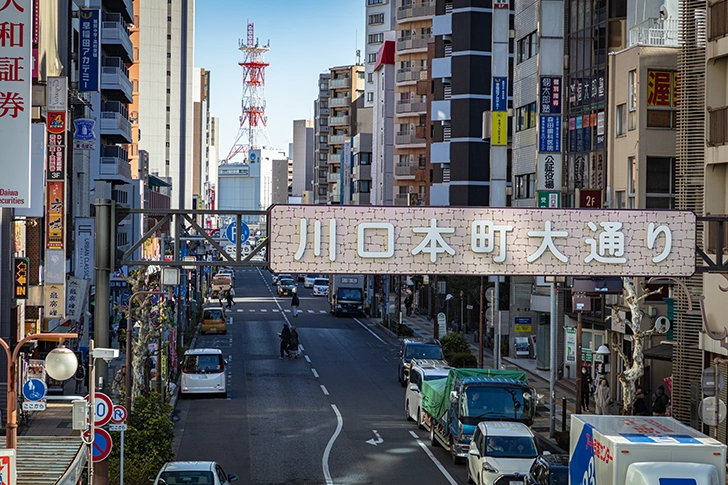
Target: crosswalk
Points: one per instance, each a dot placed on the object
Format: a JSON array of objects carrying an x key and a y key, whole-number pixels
[{"x": 274, "y": 310}]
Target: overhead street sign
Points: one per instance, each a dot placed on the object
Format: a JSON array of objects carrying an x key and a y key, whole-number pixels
[
  {"x": 481, "y": 240},
  {"x": 231, "y": 232}
]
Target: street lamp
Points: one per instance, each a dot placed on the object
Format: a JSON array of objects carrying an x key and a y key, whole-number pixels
[{"x": 61, "y": 364}]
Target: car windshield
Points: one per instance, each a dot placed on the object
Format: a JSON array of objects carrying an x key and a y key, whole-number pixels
[
  {"x": 287, "y": 283},
  {"x": 483, "y": 402},
  {"x": 212, "y": 315},
  {"x": 203, "y": 364},
  {"x": 423, "y": 351},
  {"x": 190, "y": 477},
  {"x": 511, "y": 447},
  {"x": 321, "y": 282},
  {"x": 351, "y": 294},
  {"x": 559, "y": 476}
]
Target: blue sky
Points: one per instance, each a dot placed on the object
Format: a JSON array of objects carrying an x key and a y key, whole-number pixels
[{"x": 306, "y": 38}]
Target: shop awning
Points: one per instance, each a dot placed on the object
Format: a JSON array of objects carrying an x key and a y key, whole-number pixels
[{"x": 659, "y": 352}]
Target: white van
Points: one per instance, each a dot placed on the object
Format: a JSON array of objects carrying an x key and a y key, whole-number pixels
[
  {"x": 420, "y": 371},
  {"x": 203, "y": 372}
]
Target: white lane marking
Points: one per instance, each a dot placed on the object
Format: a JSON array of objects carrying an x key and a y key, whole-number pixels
[
  {"x": 287, "y": 310},
  {"x": 323, "y": 388},
  {"x": 369, "y": 330},
  {"x": 315, "y": 374},
  {"x": 330, "y": 444},
  {"x": 434, "y": 460},
  {"x": 308, "y": 359},
  {"x": 240, "y": 310},
  {"x": 322, "y": 311},
  {"x": 251, "y": 310},
  {"x": 275, "y": 310},
  {"x": 263, "y": 310},
  {"x": 310, "y": 311}
]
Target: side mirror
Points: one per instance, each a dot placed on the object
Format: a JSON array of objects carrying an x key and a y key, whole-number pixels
[
  {"x": 546, "y": 453},
  {"x": 473, "y": 451},
  {"x": 414, "y": 388},
  {"x": 225, "y": 362},
  {"x": 232, "y": 477},
  {"x": 399, "y": 354},
  {"x": 453, "y": 396}
]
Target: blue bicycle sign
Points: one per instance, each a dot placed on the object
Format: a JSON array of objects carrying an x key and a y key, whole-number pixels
[{"x": 34, "y": 389}]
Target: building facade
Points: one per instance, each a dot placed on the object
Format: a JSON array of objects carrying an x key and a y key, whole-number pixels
[
  {"x": 383, "y": 126},
  {"x": 302, "y": 154},
  {"x": 380, "y": 19},
  {"x": 321, "y": 140}
]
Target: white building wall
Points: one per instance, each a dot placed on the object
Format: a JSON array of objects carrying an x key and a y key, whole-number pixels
[
  {"x": 388, "y": 9},
  {"x": 383, "y": 136},
  {"x": 302, "y": 155},
  {"x": 153, "y": 84}
]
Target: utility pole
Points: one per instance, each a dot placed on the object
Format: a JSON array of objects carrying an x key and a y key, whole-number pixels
[
  {"x": 480, "y": 327},
  {"x": 578, "y": 362},
  {"x": 104, "y": 244}
]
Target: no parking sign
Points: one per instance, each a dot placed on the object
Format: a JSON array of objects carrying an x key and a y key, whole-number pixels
[{"x": 101, "y": 448}]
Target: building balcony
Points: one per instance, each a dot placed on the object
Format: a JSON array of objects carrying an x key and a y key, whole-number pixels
[
  {"x": 339, "y": 121},
  {"x": 717, "y": 126},
  {"x": 362, "y": 172},
  {"x": 416, "y": 11},
  {"x": 361, "y": 198},
  {"x": 405, "y": 171},
  {"x": 406, "y": 108},
  {"x": 116, "y": 84},
  {"x": 124, "y": 7},
  {"x": 655, "y": 32},
  {"x": 116, "y": 41},
  {"x": 417, "y": 43},
  {"x": 323, "y": 128},
  {"x": 323, "y": 146},
  {"x": 342, "y": 101},
  {"x": 323, "y": 111},
  {"x": 401, "y": 199},
  {"x": 337, "y": 139},
  {"x": 408, "y": 139},
  {"x": 341, "y": 83},
  {"x": 411, "y": 75},
  {"x": 334, "y": 157},
  {"x": 115, "y": 127},
  {"x": 113, "y": 168},
  {"x": 334, "y": 177}
]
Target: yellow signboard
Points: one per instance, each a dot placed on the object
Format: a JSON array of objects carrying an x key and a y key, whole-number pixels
[
  {"x": 499, "y": 127},
  {"x": 522, "y": 328}
]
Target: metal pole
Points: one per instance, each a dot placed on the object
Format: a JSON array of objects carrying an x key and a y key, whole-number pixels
[
  {"x": 159, "y": 359},
  {"x": 578, "y": 363},
  {"x": 436, "y": 325},
  {"x": 717, "y": 400},
  {"x": 563, "y": 415},
  {"x": 497, "y": 330},
  {"x": 552, "y": 355},
  {"x": 103, "y": 247},
  {"x": 91, "y": 408},
  {"x": 121, "y": 459},
  {"x": 480, "y": 326},
  {"x": 460, "y": 327}
]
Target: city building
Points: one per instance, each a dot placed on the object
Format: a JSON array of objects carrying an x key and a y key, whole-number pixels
[
  {"x": 204, "y": 158},
  {"x": 166, "y": 93},
  {"x": 413, "y": 33},
  {"x": 361, "y": 175},
  {"x": 383, "y": 125},
  {"x": 380, "y": 19},
  {"x": 321, "y": 140},
  {"x": 302, "y": 154},
  {"x": 281, "y": 180}
]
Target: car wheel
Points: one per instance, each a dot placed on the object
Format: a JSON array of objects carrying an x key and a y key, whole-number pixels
[
  {"x": 433, "y": 440},
  {"x": 406, "y": 411},
  {"x": 224, "y": 395}
]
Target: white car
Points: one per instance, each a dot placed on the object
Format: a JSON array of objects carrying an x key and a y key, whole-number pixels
[
  {"x": 309, "y": 280},
  {"x": 321, "y": 287},
  {"x": 500, "y": 451},
  {"x": 193, "y": 472},
  {"x": 277, "y": 278},
  {"x": 421, "y": 370},
  {"x": 203, "y": 372}
]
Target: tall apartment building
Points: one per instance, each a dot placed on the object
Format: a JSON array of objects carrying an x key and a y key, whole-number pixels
[
  {"x": 383, "y": 126},
  {"x": 166, "y": 93},
  {"x": 302, "y": 154},
  {"x": 200, "y": 136},
  {"x": 413, "y": 33},
  {"x": 380, "y": 19},
  {"x": 321, "y": 140},
  {"x": 346, "y": 86}
]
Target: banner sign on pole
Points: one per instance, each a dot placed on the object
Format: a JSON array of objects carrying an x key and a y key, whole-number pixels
[{"x": 89, "y": 70}]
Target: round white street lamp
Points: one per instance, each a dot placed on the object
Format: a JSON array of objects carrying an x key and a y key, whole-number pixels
[{"x": 61, "y": 363}]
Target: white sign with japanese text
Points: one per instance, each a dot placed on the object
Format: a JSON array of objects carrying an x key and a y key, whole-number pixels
[
  {"x": 460, "y": 240},
  {"x": 16, "y": 71}
]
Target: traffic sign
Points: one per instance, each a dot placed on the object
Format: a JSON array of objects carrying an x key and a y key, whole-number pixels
[
  {"x": 34, "y": 389},
  {"x": 231, "y": 232},
  {"x": 34, "y": 406},
  {"x": 102, "y": 444},
  {"x": 707, "y": 408},
  {"x": 102, "y": 408},
  {"x": 117, "y": 427},
  {"x": 118, "y": 414}
]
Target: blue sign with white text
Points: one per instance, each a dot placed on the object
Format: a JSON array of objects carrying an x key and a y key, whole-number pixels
[
  {"x": 499, "y": 95},
  {"x": 89, "y": 49},
  {"x": 549, "y": 134}
]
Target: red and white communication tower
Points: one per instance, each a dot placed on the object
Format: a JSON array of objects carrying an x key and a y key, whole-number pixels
[{"x": 252, "y": 129}]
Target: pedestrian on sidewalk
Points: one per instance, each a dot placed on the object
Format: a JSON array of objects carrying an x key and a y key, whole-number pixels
[
  {"x": 294, "y": 304},
  {"x": 229, "y": 298},
  {"x": 408, "y": 305},
  {"x": 586, "y": 385},
  {"x": 119, "y": 379},
  {"x": 660, "y": 402},
  {"x": 122, "y": 340},
  {"x": 603, "y": 397},
  {"x": 640, "y": 403},
  {"x": 80, "y": 378},
  {"x": 285, "y": 336}
]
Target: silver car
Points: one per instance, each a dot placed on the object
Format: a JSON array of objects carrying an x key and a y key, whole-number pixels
[{"x": 189, "y": 472}]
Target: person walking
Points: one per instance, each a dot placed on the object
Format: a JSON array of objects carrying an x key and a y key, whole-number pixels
[
  {"x": 603, "y": 397},
  {"x": 294, "y": 304},
  {"x": 80, "y": 377},
  {"x": 408, "y": 305},
  {"x": 660, "y": 402},
  {"x": 586, "y": 384},
  {"x": 640, "y": 403},
  {"x": 119, "y": 379},
  {"x": 229, "y": 298},
  {"x": 285, "y": 336},
  {"x": 293, "y": 344}
]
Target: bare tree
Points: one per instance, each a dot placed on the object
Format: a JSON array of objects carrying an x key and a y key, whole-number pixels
[{"x": 634, "y": 368}]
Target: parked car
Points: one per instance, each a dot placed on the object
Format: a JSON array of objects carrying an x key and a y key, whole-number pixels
[
  {"x": 416, "y": 348},
  {"x": 308, "y": 281},
  {"x": 321, "y": 287},
  {"x": 549, "y": 470},
  {"x": 203, "y": 372},
  {"x": 421, "y": 370},
  {"x": 500, "y": 452},
  {"x": 286, "y": 286},
  {"x": 193, "y": 473}
]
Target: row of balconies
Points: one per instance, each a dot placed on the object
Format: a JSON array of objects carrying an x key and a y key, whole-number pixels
[
  {"x": 340, "y": 101},
  {"x": 407, "y": 107},
  {"x": 414, "y": 43},
  {"x": 340, "y": 83},
  {"x": 115, "y": 37},
  {"x": 411, "y": 74},
  {"x": 339, "y": 121},
  {"x": 416, "y": 11}
]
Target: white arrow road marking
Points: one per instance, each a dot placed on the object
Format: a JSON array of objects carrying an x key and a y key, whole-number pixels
[{"x": 376, "y": 442}]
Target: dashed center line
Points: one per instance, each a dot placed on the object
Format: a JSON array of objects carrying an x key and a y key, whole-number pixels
[{"x": 315, "y": 374}]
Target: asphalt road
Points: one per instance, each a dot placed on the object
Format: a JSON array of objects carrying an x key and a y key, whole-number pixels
[{"x": 335, "y": 415}]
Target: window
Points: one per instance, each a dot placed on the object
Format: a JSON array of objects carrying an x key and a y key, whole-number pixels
[
  {"x": 376, "y": 19},
  {"x": 526, "y": 117},
  {"x": 360, "y": 75},
  {"x": 371, "y": 58},
  {"x": 619, "y": 199},
  {"x": 323, "y": 139},
  {"x": 376, "y": 2},
  {"x": 527, "y": 47},
  {"x": 370, "y": 97},
  {"x": 632, "y": 103},
  {"x": 376, "y": 38},
  {"x": 365, "y": 159},
  {"x": 662, "y": 99},
  {"x": 364, "y": 186},
  {"x": 631, "y": 181},
  {"x": 322, "y": 191},
  {"x": 525, "y": 186},
  {"x": 620, "y": 119},
  {"x": 370, "y": 77},
  {"x": 660, "y": 183}
]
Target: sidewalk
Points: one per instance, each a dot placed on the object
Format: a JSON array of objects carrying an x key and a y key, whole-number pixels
[{"x": 539, "y": 379}]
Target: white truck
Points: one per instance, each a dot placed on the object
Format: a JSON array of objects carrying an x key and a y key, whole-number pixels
[
  {"x": 642, "y": 450},
  {"x": 346, "y": 295}
]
